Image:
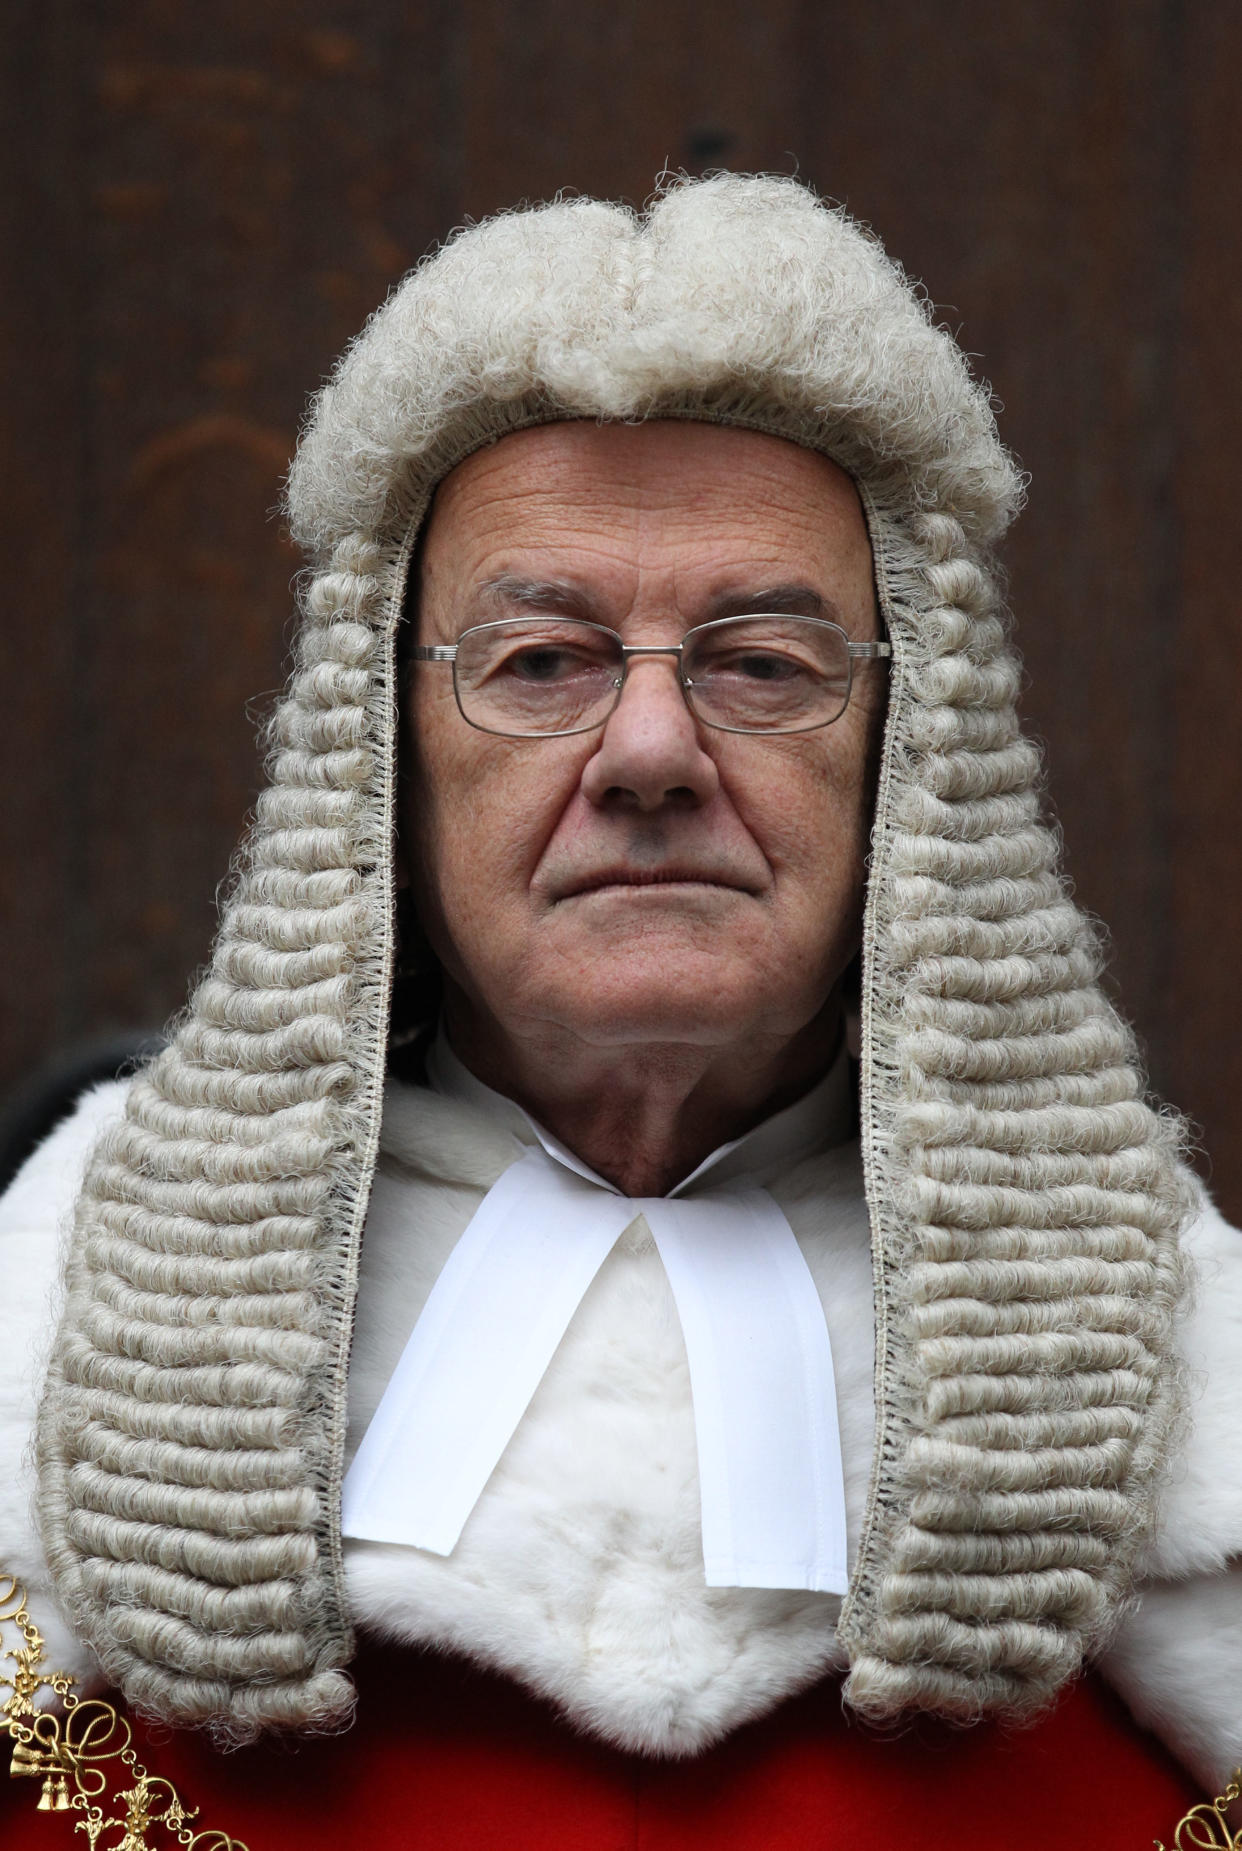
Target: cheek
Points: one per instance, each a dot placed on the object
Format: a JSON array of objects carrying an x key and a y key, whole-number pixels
[
  {"x": 479, "y": 812},
  {"x": 808, "y": 805}
]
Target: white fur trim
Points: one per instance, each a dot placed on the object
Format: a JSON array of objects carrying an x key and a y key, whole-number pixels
[
  {"x": 1199, "y": 1526},
  {"x": 580, "y": 1573},
  {"x": 1177, "y": 1661}
]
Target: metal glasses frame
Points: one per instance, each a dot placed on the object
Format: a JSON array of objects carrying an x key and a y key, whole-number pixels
[{"x": 857, "y": 652}]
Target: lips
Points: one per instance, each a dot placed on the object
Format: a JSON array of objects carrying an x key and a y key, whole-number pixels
[{"x": 622, "y": 876}]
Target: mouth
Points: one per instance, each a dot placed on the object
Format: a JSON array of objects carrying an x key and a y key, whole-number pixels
[{"x": 629, "y": 879}]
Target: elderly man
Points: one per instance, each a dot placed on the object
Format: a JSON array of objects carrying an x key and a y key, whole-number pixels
[{"x": 650, "y": 743}]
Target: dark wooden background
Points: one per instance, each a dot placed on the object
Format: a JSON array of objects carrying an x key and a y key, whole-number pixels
[{"x": 202, "y": 203}]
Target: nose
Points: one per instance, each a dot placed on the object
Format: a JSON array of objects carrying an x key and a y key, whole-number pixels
[{"x": 650, "y": 752}]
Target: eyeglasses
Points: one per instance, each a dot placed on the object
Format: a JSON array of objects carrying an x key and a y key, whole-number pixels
[{"x": 544, "y": 677}]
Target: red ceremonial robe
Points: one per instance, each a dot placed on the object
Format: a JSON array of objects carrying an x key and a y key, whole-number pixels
[{"x": 444, "y": 1757}]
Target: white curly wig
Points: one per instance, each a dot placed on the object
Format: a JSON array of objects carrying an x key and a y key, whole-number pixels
[{"x": 1024, "y": 1199}]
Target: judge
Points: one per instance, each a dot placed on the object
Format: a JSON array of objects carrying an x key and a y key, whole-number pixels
[{"x": 649, "y": 1198}]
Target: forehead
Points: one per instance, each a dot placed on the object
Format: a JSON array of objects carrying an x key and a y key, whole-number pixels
[{"x": 686, "y": 504}]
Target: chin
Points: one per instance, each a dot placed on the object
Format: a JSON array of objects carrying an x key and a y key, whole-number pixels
[{"x": 652, "y": 1006}]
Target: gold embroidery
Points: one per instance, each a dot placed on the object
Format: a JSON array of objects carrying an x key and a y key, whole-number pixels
[
  {"x": 1205, "y": 1827},
  {"x": 84, "y": 1748},
  {"x": 65, "y": 1752}
]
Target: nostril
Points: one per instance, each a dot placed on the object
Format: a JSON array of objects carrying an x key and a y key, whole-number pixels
[{"x": 678, "y": 797}]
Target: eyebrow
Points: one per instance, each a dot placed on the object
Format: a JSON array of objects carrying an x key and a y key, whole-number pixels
[
  {"x": 789, "y": 599},
  {"x": 539, "y": 594}
]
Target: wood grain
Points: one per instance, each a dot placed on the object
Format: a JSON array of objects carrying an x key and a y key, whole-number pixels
[{"x": 204, "y": 206}]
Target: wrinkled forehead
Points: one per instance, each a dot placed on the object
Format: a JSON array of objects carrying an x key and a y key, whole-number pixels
[{"x": 686, "y": 514}]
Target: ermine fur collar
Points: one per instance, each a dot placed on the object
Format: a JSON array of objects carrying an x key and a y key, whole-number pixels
[{"x": 580, "y": 1572}]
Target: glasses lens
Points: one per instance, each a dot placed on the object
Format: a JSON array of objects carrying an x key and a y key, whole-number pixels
[
  {"x": 537, "y": 675},
  {"x": 768, "y": 674}
]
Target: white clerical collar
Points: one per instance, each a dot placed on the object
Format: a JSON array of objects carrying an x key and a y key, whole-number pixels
[
  {"x": 822, "y": 1117},
  {"x": 770, "y": 1477}
]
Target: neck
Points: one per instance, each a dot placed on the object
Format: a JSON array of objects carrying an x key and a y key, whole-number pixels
[{"x": 644, "y": 1115}]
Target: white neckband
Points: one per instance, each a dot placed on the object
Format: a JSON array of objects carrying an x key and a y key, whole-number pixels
[{"x": 771, "y": 1482}]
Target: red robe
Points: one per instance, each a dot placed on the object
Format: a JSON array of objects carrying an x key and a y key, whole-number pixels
[{"x": 447, "y": 1758}]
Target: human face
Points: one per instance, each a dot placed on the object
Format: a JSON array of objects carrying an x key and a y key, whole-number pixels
[{"x": 656, "y": 881}]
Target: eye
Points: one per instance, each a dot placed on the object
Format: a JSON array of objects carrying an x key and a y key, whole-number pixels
[
  {"x": 544, "y": 657},
  {"x": 543, "y": 664},
  {"x": 759, "y": 665}
]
